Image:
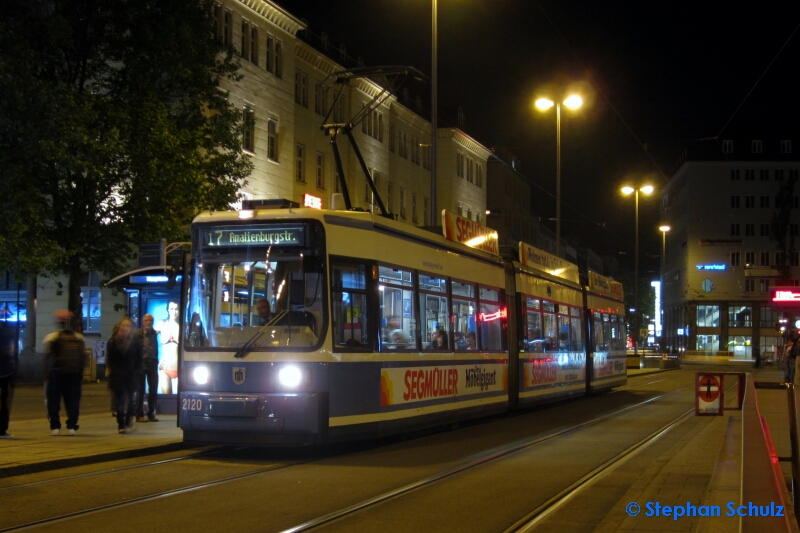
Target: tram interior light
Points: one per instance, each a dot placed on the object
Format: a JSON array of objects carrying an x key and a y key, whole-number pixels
[
  {"x": 200, "y": 375},
  {"x": 289, "y": 376}
]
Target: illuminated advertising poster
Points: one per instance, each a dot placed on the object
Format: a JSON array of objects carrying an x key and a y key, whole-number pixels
[
  {"x": 561, "y": 368},
  {"x": 469, "y": 232},
  {"x": 417, "y": 384},
  {"x": 605, "y": 366},
  {"x": 605, "y": 285},
  {"x": 553, "y": 265},
  {"x": 165, "y": 322}
]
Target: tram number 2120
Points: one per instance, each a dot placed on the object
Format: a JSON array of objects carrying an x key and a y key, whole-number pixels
[{"x": 192, "y": 404}]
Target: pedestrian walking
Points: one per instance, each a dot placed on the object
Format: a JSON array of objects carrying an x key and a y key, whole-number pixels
[
  {"x": 790, "y": 351},
  {"x": 145, "y": 342},
  {"x": 124, "y": 364},
  {"x": 8, "y": 375},
  {"x": 66, "y": 358}
]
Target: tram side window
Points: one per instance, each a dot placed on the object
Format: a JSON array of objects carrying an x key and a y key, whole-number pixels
[
  {"x": 563, "y": 328},
  {"x": 550, "y": 326},
  {"x": 465, "y": 307},
  {"x": 491, "y": 331},
  {"x": 533, "y": 327},
  {"x": 617, "y": 327},
  {"x": 576, "y": 334},
  {"x": 600, "y": 343},
  {"x": 607, "y": 330},
  {"x": 398, "y": 320},
  {"x": 349, "y": 305},
  {"x": 435, "y": 314}
]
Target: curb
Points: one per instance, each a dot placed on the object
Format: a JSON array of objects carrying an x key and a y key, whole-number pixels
[{"x": 57, "y": 464}]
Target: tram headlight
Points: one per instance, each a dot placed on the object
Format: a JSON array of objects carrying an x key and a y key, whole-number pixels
[
  {"x": 289, "y": 376},
  {"x": 200, "y": 375}
]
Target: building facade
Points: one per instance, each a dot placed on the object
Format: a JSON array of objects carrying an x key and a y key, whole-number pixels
[{"x": 725, "y": 249}]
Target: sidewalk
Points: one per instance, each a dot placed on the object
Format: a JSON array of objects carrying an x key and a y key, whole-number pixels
[{"x": 33, "y": 449}]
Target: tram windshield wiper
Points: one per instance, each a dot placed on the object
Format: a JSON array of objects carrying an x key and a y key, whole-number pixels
[{"x": 247, "y": 347}]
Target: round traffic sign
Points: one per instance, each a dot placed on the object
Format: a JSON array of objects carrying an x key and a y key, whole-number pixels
[{"x": 708, "y": 388}]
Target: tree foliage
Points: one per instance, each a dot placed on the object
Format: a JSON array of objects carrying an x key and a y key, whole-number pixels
[{"x": 113, "y": 130}]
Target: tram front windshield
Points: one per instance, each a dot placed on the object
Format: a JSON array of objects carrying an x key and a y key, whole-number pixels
[{"x": 255, "y": 298}]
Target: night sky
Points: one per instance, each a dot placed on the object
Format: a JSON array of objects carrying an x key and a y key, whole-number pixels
[{"x": 654, "y": 77}]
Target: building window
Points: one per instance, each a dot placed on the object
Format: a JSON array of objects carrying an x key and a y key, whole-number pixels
[
  {"x": 414, "y": 208},
  {"x": 786, "y": 147},
  {"x": 469, "y": 213},
  {"x": 749, "y": 285},
  {"x": 735, "y": 202},
  {"x": 479, "y": 176},
  {"x": 735, "y": 174},
  {"x": 390, "y": 197},
  {"x": 736, "y": 259},
  {"x": 246, "y": 39},
  {"x": 749, "y": 201},
  {"x": 749, "y": 230},
  {"x": 402, "y": 203},
  {"x": 320, "y": 171},
  {"x": 414, "y": 150},
  {"x": 794, "y": 259},
  {"x": 764, "y": 259},
  {"x": 778, "y": 174},
  {"x": 727, "y": 147},
  {"x": 272, "y": 139},
  {"x": 470, "y": 170},
  {"x": 749, "y": 174},
  {"x": 320, "y": 98},
  {"x": 763, "y": 174},
  {"x": 299, "y": 160},
  {"x": 459, "y": 164},
  {"x": 756, "y": 147},
  {"x": 426, "y": 157},
  {"x": 227, "y": 28},
  {"x": 708, "y": 316},
  {"x": 740, "y": 316},
  {"x": 270, "y": 53},
  {"x": 301, "y": 88},
  {"x": 460, "y": 210},
  {"x": 249, "y": 129},
  {"x": 403, "y": 138},
  {"x": 425, "y": 211},
  {"x": 278, "y": 59},
  {"x": 749, "y": 259},
  {"x": 337, "y": 187},
  {"x": 90, "y": 296},
  {"x": 765, "y": 202},
  {"x": 764, "y": 230},
  {"x": 763, "y": 285},
  {"x": 734, "y": 230},
  {"x": 708, "y": 344},
  {"x": 380, "y": 127},
  {"x": 391, "y": 136}
]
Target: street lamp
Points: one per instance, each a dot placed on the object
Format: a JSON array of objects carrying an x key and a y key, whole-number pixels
[
  {"x": 627, "y": 190},
  {"x": 663, "y": 229},
  {"x": 433, "y": 221},
  {"x": 543, "y": 104}
]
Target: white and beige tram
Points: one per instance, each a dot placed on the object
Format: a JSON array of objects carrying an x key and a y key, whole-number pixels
[{"x": 307, "y": 326}]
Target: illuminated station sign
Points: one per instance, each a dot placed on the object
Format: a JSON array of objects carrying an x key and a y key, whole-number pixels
[
  {"x": 785, "y": 295},
  {"x": 716, "y": 266}
]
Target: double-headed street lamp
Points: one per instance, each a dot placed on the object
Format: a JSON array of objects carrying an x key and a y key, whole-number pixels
[
  {"x": 543, "y": 104},
  {"x": 627, "y": 190}
]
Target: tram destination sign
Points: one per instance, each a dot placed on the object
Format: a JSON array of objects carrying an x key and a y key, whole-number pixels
[
  {"x": 241, "y": 236},
  {"x": 787, "y": 296}
]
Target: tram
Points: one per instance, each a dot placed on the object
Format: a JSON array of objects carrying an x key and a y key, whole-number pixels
[{"x": 306, "y": 326}]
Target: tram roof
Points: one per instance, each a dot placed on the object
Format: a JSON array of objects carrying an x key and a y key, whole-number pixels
[{"x": 355, "y": 219}]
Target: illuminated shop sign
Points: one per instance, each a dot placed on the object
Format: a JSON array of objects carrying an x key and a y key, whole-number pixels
[
  {"x": 552, "y": 264},
  {"x": 152, "y": 278},
  {"x": 785, "y": 295},
  {"x": 466, "y": 231},
  {"x": 715, "y": 266},
  {"x": 314, "y": 202},
  {"x": 240, "y": 236}
]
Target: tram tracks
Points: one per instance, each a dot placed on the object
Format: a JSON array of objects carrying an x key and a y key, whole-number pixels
[{"x": 471, "y": 462}]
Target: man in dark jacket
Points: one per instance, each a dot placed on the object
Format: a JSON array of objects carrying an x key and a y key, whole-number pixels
[
  {"x": 145, "y": 342},
  {"x": 8, "y": 375},
  {"x": 66, "y": 357}
]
